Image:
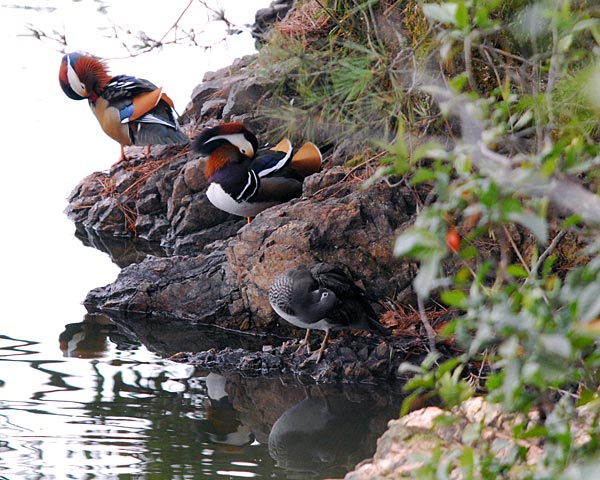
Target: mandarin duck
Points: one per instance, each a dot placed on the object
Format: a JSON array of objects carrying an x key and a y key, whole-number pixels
[
  {"x": 130, "y": 110},
  {"x": 322, "y": 297},
  {"x": 244, "y": 180}
]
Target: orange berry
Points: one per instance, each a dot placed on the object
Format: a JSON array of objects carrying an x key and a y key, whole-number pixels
[{"x": 453, "y": 239}]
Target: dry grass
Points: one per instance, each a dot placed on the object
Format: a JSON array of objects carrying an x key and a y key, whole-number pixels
[{"x": 305, "y": 23}]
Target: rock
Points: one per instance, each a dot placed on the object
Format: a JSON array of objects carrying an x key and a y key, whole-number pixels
[
  {"x": 159, "y": 200},
  {"x": 339, "y": 362},
  {"x": 266, "y": 17},
  {"x": 245, "y": 96},
  {"x": 418, "y": 434},
  {"x": 343, "y": 225}
]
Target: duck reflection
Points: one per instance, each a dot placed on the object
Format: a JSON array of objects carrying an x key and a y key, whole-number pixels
[
  {"x": 222, "y": 421},
  {"x": 92, "y": 337},
  {"x": 324, "y": 432}
]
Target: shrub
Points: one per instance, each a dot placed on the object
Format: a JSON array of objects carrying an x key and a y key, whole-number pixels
[{"x": 496, "y": 105}]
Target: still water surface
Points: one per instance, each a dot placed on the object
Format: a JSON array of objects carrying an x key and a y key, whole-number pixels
[
  {"x": 80, "y": 396},
  {"x": 111, "y": 409}
]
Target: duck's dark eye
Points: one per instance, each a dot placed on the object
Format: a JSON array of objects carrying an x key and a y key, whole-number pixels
[{"x": 324, "y": 295}]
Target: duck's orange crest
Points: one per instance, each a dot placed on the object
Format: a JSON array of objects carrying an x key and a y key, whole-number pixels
[
  {"x": 219, "y": 158},
  {"x": 232, "y": 127},
  {"x": 92, "y": 70}
]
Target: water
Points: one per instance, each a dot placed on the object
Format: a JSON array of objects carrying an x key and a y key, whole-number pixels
[
  {"x": 80, "y": 396},
  {"x": 110, "y": 409}
]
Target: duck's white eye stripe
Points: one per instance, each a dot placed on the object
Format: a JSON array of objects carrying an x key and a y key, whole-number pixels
[
  {"x": 237, "y": 139},
  {"x": 74, "y": 80}
]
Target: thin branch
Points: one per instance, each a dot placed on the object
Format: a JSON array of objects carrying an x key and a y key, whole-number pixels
[
  {"x": 428, "y": 328},
  {"x": 555, "y": 241},
  {"x": 176, "y": 23}
]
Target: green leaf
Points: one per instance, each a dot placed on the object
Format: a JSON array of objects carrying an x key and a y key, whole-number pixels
[
  {"x": 532, "y": 432},
  {"x": 588, "y": 303},
  {"x": 453, "y": 390},
  {"x": 494, "y": 381},
  {"x": 449, "y": 329},
  {"x": 422, "y": 175},
  {"x": 459, "y": 82},
  {"x": 565, "y": 43},
  {"x": 416, "y": 243},
  {"x": 490, "y": 196},
  {"x": 587, "y": 24},
  {"x": 449, "y": 365},
  {"x": 467, "y": 462},
  {"x": 419, "y": 382},
  {"x": 556, "y": 344},
  {"x": 454, "y": 298},
  {"x": 571, "y": 221},
  {"x": 517, "y": 271},
  {"x": 549, "y": 166},
  {"x": 510, "y": 205},
  {"x": 428, "y": 278},
  {"x": 409, "y": 401},
  {"x": 462, "y": 16},
  {"x": 585, "y": 396},
  {"x": 522, "y": 120}
]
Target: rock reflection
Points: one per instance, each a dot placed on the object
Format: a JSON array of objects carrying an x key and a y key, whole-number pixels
[
  {"x": 123, "y": 251},
  {"x": 167, "y": 336},
  {"x": 133, "y": 414},
  {"x": 305, "y": 430}
]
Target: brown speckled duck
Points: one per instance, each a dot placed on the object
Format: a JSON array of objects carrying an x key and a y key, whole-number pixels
[{"x": 322, "y": 297}]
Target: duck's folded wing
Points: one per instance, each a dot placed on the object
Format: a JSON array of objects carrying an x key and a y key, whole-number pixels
[
  {"x": 278, "y": 189},
  {"x": 268, "y": 161}
]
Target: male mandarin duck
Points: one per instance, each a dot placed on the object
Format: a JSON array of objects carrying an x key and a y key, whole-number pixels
[
  {"x": 244, "y": 180},
  {"x": 130, "y": 110},
  {"x": 322, "y": 297}
]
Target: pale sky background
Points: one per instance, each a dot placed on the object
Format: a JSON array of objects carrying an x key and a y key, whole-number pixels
[{"x": 49, "y": 143}]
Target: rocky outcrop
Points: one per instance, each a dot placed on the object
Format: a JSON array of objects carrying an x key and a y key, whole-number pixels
[
  {"x": 412, "y": 438},
  {"x": 227, "y": 283},
  {"x": 162, "y": 199},
  {"x": 187, "y": 260}
]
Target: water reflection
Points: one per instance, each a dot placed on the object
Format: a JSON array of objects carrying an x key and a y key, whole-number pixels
[
  {"x": 223, "y": 425},
  {"x": 119, "y": 415},
  {"x": 90, "y": 338},
  {"x": 170, "y": 335},
  {"x": 325, "y": 432}
]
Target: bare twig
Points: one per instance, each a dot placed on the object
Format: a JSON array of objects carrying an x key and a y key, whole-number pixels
[
  {"x": 553, "y": 244},
  {"x": 428, "y": 328}
]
